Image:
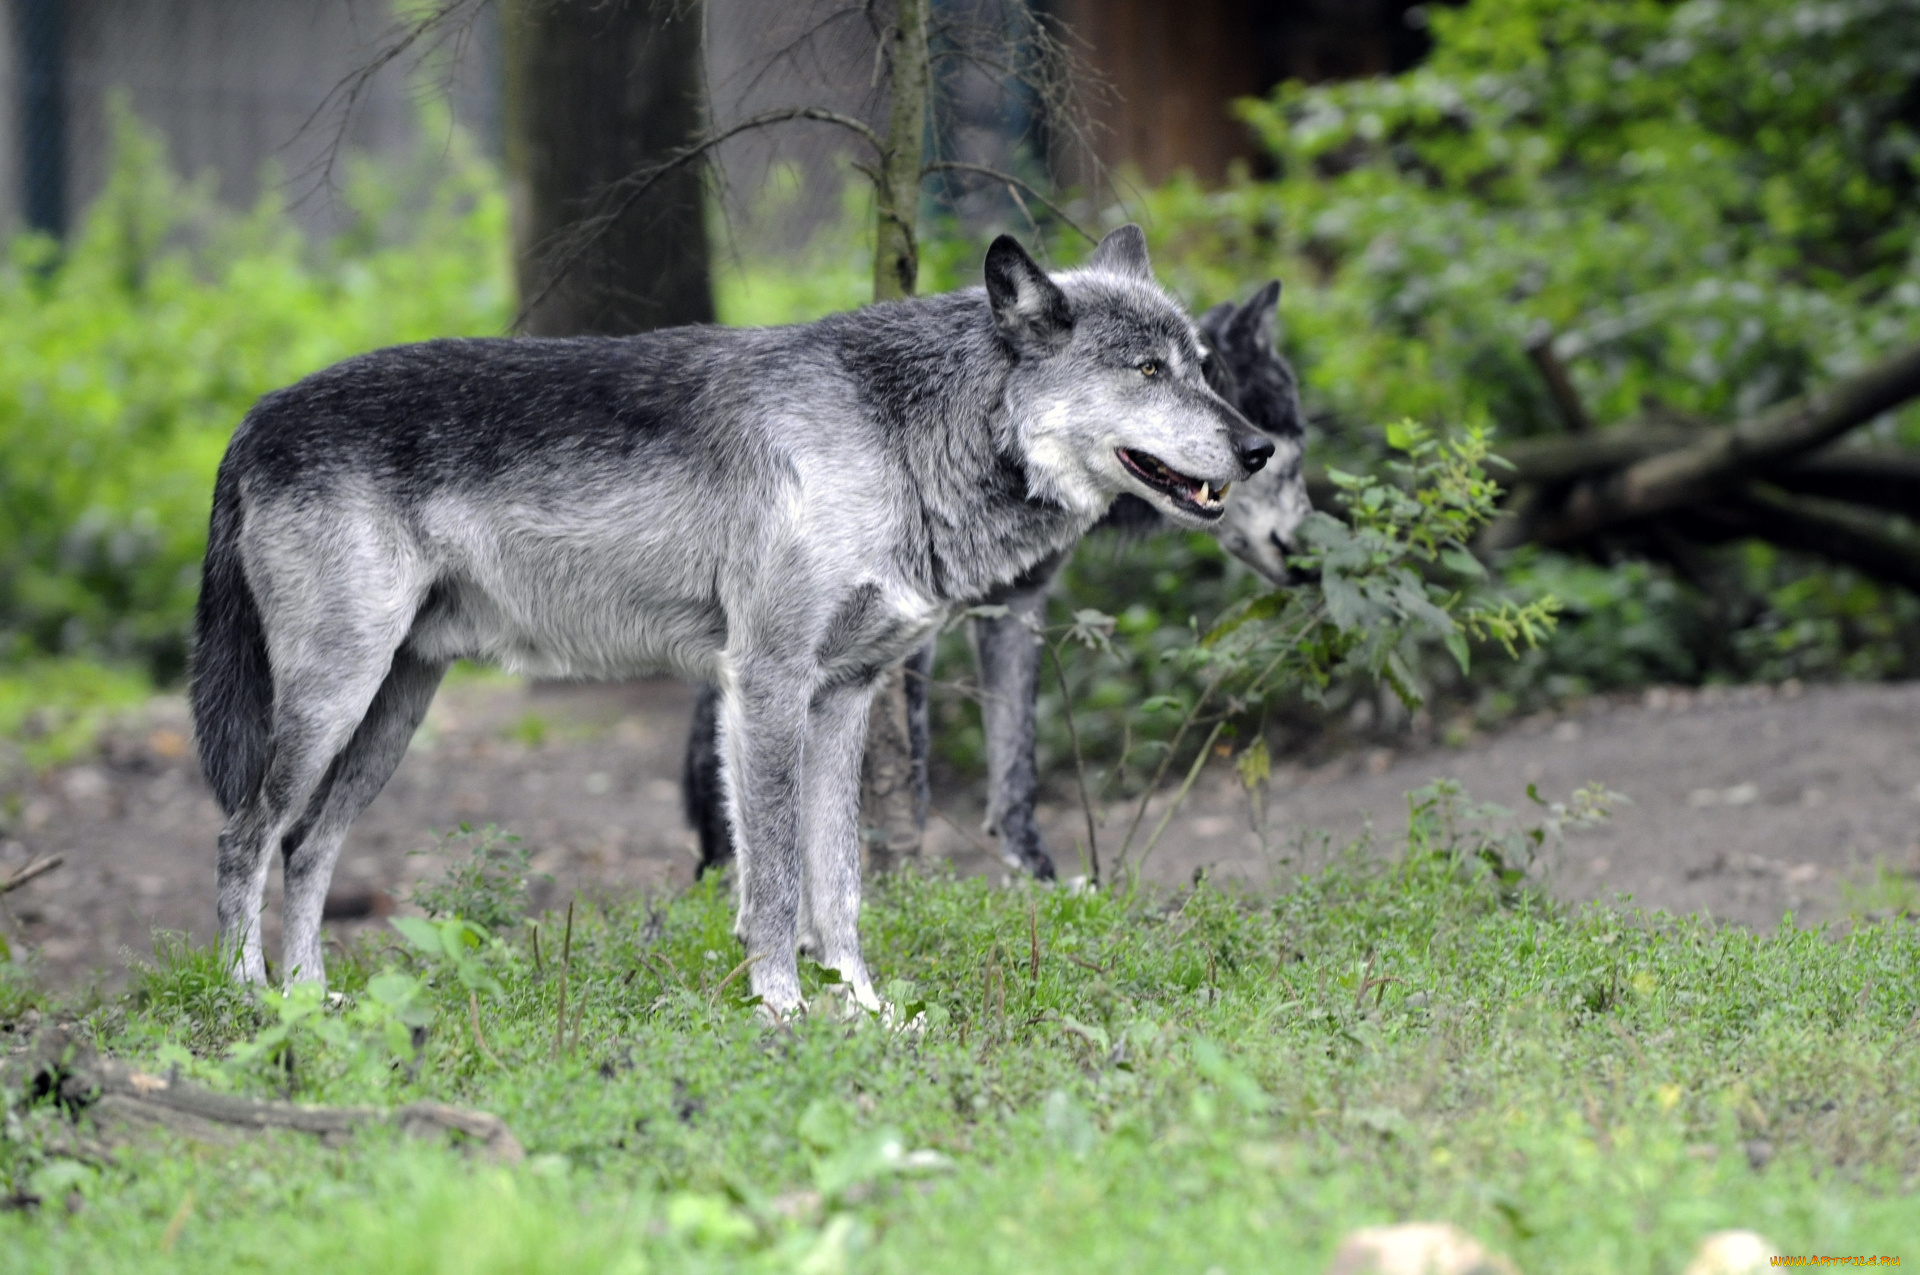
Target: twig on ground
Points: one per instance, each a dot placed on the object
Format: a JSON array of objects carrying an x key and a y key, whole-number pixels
[
  {"x": 972, "y": 840},
  {"x": 479, "y": 1040},
  {"x": 734, "y": 973},
  {"x": 39, "y": 868}
]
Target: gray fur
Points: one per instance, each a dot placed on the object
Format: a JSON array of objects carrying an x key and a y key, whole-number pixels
[
  {"x": 783, "y": 512},
  {"x": 1262, "y": 514}
]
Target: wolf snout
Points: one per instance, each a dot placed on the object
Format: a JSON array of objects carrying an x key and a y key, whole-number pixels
[{"x": 1254, "y": 450}]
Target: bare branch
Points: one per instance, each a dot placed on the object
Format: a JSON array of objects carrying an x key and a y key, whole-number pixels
[
  {"x": 1573, "y": 413},
  {"x": 955, "y": 166},
  {"x": 562, "y": 255},
  {"x": 447, "y": 19}
]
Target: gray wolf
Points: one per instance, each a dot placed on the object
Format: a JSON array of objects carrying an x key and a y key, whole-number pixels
[
  {"x": 783, "y": 512},
  {"x": 1244, "y": 367}
]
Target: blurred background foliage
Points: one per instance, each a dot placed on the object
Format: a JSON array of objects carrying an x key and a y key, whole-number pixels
[
  {"x": 1710, "y": 205},
  {"x": 128, "y": 356}
]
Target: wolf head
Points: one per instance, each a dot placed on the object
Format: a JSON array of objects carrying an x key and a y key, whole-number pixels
[
  {"x": 1266, "y": 510},
  {"x": 1108, "y": 393}
]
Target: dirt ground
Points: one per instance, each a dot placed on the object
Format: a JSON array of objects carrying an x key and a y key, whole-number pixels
[{"x": 1744, "y": 804}]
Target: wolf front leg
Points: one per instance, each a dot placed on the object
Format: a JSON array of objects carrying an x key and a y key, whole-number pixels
[
  {"x": 763, "y": 737},
  {"x": 836, "y": 735},
  {"x": 1007, "y": 651}
]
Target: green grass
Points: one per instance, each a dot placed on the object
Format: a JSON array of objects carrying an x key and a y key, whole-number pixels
[{"x": 1111, "y": 1083}]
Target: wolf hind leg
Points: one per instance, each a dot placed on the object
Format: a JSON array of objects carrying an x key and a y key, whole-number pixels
[
  {"x": 701, "y": 793},
  {"x": 357, "y": 775},
  {"x": 330, "y": 647},
  {"x": 309, "y": 730},
  {"x": 919, "y": 685},
  {"x": 763, "y": 735},
  {"x": 830, "y": 833},
  {"x": 1007, "y": 652}
]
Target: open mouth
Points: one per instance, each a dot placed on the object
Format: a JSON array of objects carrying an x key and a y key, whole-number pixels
[{"x": 1192, "y": 493}]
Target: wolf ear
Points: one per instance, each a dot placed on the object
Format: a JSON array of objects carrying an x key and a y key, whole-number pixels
[
  {"x": 1029, "y": 309},
  {"x": 1213, "y": 324},
  {"x": 1257, "y": 321},
  {"x": 1123, "y": 252}
]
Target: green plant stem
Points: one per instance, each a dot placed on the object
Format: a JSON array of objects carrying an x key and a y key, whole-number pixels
[
  {"x": 1079, "y": 765},
  {"x": 1186, "y": 786},
  {"x": 566, "y": 968},
  {"x": 1166, "y": 763},
  {"x": 479, "y": 1040}
]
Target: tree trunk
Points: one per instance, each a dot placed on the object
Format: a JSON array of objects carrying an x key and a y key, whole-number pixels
[
  {"x": 598, "y": 90},
  {"x": 890, "y": 816},
  {"x": 896, "y": 250}
]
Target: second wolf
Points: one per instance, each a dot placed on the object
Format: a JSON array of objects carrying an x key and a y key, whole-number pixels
[{"x": 1244, "y": 367}]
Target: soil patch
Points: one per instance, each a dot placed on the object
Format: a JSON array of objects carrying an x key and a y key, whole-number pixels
[{"x": 1745, "y": 804}]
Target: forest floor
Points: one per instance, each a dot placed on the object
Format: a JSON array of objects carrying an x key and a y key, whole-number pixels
[{"x": 1744, "y": 803}]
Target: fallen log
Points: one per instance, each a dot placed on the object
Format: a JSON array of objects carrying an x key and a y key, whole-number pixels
[
  {"x": 1563, "y": 458},
  {"x": 1725, "y": 458},
  {"x": 1832, "y": 529},
  {"x": 124, "y": 1099},
  {"x": 1886, "y": 478}
]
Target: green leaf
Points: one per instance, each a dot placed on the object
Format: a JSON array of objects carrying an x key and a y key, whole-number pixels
[
  {"x": 1464, "y": 563},
  {"x": 1457, "y": 647},
  {"x": 825, "y": 1125},
  {"x": 419, "y": 932},
  {"x": 1346, "y": 606},
  {"x": 1264, "y": 607},
  {"x": 1404, "y": 435},
  {"x": 393, "y": 988}
]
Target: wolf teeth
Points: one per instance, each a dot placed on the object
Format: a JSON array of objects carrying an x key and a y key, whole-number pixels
[
  {"x": 1206, "y": 497},
  {"x": 1222, "y": 493}
]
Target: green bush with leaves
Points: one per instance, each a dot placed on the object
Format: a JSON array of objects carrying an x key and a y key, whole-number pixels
[
  {"x": 1711, "y": 205},
  {"x": 127, "y": 358},
  {"x": 1396, "y": 576}
]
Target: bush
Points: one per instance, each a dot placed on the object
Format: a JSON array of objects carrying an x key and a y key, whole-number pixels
[
  {"x": 127, "y": 360},
  {"x": 1711, "y": 204}
]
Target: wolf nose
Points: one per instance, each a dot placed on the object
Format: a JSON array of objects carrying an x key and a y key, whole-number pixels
[{"x": 1254, "y": 449}]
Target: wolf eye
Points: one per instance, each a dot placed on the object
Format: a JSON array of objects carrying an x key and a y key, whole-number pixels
[{"x": 1150, "y": 368}]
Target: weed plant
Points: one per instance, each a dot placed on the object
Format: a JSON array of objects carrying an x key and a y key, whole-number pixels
[{"x": 1220, "y": 1078}]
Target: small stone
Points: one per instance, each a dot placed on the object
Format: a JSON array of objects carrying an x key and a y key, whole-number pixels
[
  {"x": 169, "y": 745},
  {"x": 1416, "y": 1248},
  {"x": 1732, "y": 1253}
]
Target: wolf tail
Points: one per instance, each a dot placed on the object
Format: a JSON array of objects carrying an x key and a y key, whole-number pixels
[{"x": 232, "y": 686}]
